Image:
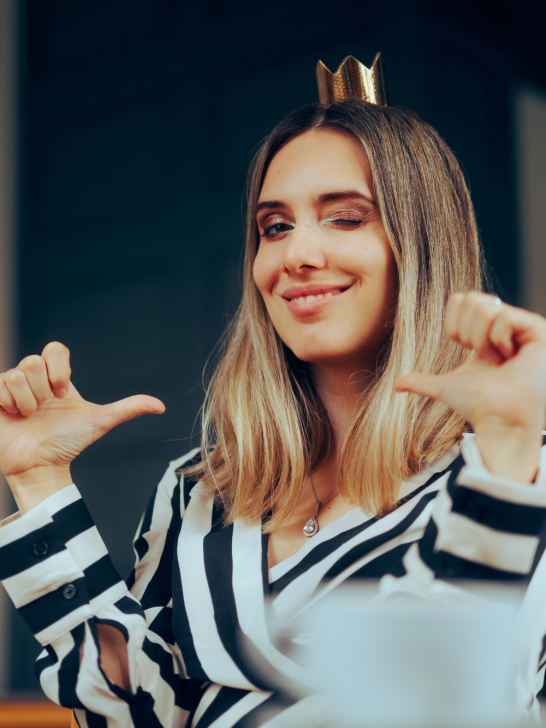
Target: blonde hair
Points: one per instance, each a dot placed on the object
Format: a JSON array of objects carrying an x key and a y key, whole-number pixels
[{"x": 263, "y": 425}]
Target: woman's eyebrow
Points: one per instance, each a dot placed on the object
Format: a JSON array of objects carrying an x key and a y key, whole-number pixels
[
  {"x": 343, "y": 195},
  {"x": 326, "y": 197},
  {"x": 270, "y": 205}
]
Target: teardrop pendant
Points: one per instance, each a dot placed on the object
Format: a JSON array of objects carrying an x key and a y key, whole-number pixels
[{"x": 311, "y": 527}]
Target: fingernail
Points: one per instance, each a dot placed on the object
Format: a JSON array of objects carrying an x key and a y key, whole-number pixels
[{"x": 60, "y": 392}]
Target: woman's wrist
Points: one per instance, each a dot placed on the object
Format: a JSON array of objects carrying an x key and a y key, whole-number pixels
[
  {"x": 33, "y": 486},
  {"x": 510, "y": 451}
]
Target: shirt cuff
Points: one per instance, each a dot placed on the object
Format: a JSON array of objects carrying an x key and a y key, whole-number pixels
[
  {"x": 55, "y": 566},
  {"x": 490, "y": 520}
]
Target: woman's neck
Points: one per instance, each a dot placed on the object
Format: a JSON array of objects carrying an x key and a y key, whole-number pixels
[{"x": 339, "y": 388}]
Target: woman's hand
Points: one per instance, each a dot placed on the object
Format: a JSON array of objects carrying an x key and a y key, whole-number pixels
[
  {"x": 501, "y": 390},
  {"x": 45, "y": 424}
]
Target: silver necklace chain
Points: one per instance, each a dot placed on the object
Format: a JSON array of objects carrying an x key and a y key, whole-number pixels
[{"x": 312, "y": 527}]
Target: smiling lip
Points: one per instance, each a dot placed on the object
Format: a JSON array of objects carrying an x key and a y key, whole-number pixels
[{"x": 309, "y": 300}]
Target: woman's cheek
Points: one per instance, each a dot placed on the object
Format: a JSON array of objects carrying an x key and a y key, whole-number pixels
[{"x": 265, "y": 272}]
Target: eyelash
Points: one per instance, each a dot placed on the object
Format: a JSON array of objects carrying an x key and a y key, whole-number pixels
[
  {"x": 266, "y": 233},
  {"x": 353, "y": 223}
]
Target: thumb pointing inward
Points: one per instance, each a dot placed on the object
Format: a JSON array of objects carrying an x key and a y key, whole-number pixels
[
  {"x": 428, "y": 385},
  {"x": 126, "y": 409}
]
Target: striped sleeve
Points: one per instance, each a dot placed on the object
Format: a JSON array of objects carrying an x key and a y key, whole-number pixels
[
  {"x": 56, "y": 569},
  {"x": 484, "y": 526},
  {"x": 55, "y": 566}
]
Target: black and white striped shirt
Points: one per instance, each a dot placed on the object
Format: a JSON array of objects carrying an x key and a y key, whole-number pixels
[{"x": 194, "y": 611}]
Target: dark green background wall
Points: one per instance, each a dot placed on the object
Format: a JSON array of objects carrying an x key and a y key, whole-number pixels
[{"x": 138, "y": 119}]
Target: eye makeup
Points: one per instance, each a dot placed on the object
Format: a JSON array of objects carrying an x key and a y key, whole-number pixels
[
  {"x": 344, "y": 220},
  {"x": 351, "y": 217},
  {"x": 270, "y": 231}
]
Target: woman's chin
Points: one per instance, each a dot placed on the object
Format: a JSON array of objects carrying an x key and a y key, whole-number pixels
[{"x": 321, "y": 354}]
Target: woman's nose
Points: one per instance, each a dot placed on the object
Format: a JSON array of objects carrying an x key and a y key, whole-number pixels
[{"x": 302, "y": 249}]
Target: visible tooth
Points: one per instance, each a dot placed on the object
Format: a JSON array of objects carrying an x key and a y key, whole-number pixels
[
  {"x": 309, "y": 299},
  {"x": 301, "y": 299},
  {"x": 320, "y": 295},
  {"x": 328, "y": 295}
]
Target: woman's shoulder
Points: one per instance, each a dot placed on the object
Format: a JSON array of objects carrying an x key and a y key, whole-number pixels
[
  {"x": 175, "y": 484},
  {"x": 193, "y": 457}
]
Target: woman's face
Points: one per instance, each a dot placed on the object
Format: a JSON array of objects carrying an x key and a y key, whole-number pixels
[{"x": 324, "y": 265}]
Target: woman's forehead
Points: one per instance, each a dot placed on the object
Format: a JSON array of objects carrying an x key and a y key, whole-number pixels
[{"x": 317, "y": 163}]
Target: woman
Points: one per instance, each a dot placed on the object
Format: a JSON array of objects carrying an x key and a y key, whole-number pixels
[{"x": 323, "y": 459}]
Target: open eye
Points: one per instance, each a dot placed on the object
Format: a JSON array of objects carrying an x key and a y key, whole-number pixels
[{"x": 278, "y": 228}]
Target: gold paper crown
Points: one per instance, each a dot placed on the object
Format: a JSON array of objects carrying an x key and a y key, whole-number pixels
[{"x": 352, "y": 78}]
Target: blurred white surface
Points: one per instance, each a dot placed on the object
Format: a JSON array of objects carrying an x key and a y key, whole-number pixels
[{"x": 394, "y": 660}]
